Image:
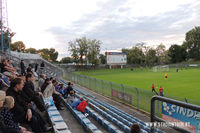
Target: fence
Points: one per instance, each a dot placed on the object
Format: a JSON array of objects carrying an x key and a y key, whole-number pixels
[{"x": 140, "y": 98}]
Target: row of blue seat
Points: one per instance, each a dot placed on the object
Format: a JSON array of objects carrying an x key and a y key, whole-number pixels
[
  {"x": 125, "y": 115},
  {"x": 106, "y": 124},
  {"x": 86, "y": 123},
  {"x": 118, "y": 122},
  {"x": 118, "y": 115},
  {"x": 58, "y": 123}
]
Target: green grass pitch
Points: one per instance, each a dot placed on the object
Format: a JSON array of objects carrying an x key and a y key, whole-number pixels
[{"x": 184, "y": 84}]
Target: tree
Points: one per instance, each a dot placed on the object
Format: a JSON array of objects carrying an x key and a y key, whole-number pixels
[
  {"x": 136, "y": 56},
  {"x": 83, "y": 50},
  {"x": 192, "y": 43},
  {"x": 177, "y": 53},
  {"x": 79, "y": 48},
  {"x": 48, "y": 54},
  {"x": 44, "y": 53},
  {"x": 93, "y": 51},
  {"x": 162, "y": 54},
  {"x": 31, "y": 50},
  {"x": 66, "y": 60},
  {"x": 102, "y": 58},
  {"x": 53, "y": 54},
  {"x": 18, "y": 46},
  {"x": 150, "y": 57}
]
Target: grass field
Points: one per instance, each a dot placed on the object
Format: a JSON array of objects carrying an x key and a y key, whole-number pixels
[{"x": 185, "y": 83}]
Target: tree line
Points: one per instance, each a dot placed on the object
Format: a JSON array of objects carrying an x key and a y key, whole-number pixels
[
  {"x": 139, "y": 54},
  {"x": 48, "y": 54}
]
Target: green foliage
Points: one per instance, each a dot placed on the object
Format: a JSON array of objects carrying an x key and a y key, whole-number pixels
[
  {"x": 192, "y": 43},
  {"x": 31, "y": 50},
  {"x": 48, "y": 54},
  {"x": 83, "y": 50},
  {"x": 102, "y": 58},
  {"x": 177, "y": 53},
  {"x": 18, "y": 46},
  {"x": 66, "y": 60}
]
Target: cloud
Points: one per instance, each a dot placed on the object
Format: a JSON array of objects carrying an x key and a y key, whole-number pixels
[{"x": 120, "y": 24}]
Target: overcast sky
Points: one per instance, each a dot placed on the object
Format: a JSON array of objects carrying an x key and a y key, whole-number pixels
[{"x": 117, "y": 23}]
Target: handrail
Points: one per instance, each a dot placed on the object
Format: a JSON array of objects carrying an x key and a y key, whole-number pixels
[{"x": 171, "y": 101}]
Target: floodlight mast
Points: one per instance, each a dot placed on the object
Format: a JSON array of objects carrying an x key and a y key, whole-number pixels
[{"x": 4, "y": 25}]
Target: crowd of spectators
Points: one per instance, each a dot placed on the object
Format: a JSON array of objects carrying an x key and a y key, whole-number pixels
[{"x": 20, "y": 101}]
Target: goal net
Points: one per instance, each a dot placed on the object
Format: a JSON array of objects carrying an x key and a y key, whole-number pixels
[{"x": 164, "y": 68}]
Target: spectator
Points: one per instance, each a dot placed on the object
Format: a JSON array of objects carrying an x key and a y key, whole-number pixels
[
  {"x": 7, "y": 70},
  {"x": 22, "y": 68},
  {"x": 68, "y": 89},
  {"x": 3, "y": 127},
  {"x": 42, "y": 67},
  {"x": 30, "y": 92},
  {"x": 29, "y": 69},
  {"x": 61, "y": 90},
  {"x": 36, "y": 67},
  {"x": 51, "y": 91},
  {"x": 8, "y": 116},
  {"x": 135, "y": 128},
  {"x": 9, "y": 63},
  {"x": 46, "y": 83},
  {"x": 70, "y": 98},
  {"x": 23, "y": 113},
  {"x": 76, "y": 103},
  {"x": 81, "y": 107},
  {"x": 41, "y": 81}
]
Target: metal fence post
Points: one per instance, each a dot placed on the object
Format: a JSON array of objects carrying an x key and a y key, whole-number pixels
[
  {"x": 158, "y": 113},
  {"x": 122, "y": 86},
  {"x": 89, "y": 82},
  {"x": 111, "y": 88},
  {"x": 137, "y": 98},
  {"x": 95, "y": 84},
  {"x": 102, "y": 86}
]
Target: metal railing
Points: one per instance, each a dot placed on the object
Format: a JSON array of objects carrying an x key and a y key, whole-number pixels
[{"x": 171, "y": 101}]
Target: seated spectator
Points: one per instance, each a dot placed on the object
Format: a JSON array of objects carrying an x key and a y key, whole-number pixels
[
  {"x": 7, "y": 70},
  {"x": 29, "y": 69},
  {"x": 30, "y": 92},
  {"x": 45, "y": 84},
  {"x": 61, "y": 90},
  {"x": 70, "y": 98},
  {"x": 57, "y": 86},
  {"x": 5, "y": 79},
  {"x": 3, "y": 127},
  {"x": 81, "y": 107},
  {"x": 135, "y": 128},
  {"x": 8, "y": 116},
  {"x": 41, "y": 81},
  {"x": 68, "y": 89},
  {"x": 23, "y": 113},
  {"x": 51, "y": 91},
  {"x": 76, "y": 103}
]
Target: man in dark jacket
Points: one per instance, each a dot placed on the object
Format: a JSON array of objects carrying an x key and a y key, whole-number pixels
[
  {"x": 22, "y": 68},
  {"x": 23, "y": 113},
  {"x": 30, "y": 92}
]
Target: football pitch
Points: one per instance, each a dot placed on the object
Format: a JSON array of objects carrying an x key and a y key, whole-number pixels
[{"x": 185, "y": 83}]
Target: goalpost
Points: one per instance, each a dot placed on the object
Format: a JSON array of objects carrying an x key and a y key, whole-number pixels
[{"x": 164, "y": 68}]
